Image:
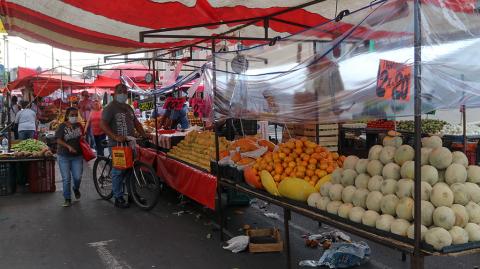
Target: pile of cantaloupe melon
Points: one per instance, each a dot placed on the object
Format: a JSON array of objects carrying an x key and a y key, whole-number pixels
[{"x": 379, "y": 192}]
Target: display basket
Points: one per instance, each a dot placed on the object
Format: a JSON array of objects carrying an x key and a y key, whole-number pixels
[
  {"x": 7, "y": 181},
  {"x": 41, "y": 176}
]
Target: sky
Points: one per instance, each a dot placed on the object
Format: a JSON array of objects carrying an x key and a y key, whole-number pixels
[{"x": 27, "y": 54}]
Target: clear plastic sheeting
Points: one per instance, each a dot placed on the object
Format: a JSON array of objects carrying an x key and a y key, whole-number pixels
[{"x": 303, "y": 79}]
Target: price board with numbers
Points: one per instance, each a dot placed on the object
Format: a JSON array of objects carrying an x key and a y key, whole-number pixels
[
  {"x": 394, "y": 81},
  {"x": 146, "y": 104}
]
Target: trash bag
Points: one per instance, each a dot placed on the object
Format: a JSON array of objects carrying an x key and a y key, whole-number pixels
[
  {"x": 342, "y": 255},
  {"x": 237, "y": 244}
]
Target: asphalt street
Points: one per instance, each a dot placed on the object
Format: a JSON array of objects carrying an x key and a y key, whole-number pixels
[{"x": 36, "y": 232}]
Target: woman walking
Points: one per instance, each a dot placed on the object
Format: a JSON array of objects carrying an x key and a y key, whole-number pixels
[{"x": 70, "y": 159}]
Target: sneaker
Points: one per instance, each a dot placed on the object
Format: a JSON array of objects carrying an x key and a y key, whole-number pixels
[
  {"x": 121, "y": 203},
  {"x": 67, "y": 203},
  {"x": 77, "y": 194}
]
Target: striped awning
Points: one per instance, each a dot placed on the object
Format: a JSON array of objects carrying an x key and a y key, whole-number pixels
[{"x": 106, "y": 26}]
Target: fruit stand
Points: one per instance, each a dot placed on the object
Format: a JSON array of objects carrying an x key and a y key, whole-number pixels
[
  {"x": 30, "y": 161},
  {"x": 311, "y": 93}
]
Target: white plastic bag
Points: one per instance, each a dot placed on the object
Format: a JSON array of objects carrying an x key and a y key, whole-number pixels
[{"x": 237, "y": 244}]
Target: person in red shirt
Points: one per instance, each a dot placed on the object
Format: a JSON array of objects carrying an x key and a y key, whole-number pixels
[
  {"x": 98, "y": 134},
  {"x": 86, "y": 106}
]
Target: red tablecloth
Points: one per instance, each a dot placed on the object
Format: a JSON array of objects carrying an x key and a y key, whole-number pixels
[{"x": 195, "y": 184}]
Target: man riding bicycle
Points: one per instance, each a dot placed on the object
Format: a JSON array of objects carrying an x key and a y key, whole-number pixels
[{"x": 118, "y": 122}]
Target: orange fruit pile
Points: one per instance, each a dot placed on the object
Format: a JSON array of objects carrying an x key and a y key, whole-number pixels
[{"x": 299, "y": 158}]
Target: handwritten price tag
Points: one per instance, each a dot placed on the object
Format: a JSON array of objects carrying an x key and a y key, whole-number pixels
[
  {"x": 394, "y": 81},
  {"x": 146, "y": 104},
  {"x": 174, "y": 103}
]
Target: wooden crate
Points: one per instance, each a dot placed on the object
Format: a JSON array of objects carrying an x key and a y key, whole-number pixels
[{"x": 267, "y": 247}]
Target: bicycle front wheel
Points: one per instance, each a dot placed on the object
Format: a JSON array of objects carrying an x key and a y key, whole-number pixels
[
  {"x": 144, "y": 186},
  {"x": 102, "y": 177}
]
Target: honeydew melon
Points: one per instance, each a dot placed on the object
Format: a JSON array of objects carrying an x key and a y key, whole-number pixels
[
  {"x": 404, "y": 208},
  {"x": 459, "y": 235},
  {"x": 384, "y": 222},
  {"x": 373, "y": 200},
  {"x": 408, "y": 170},
  {"x": 348, "y": 177},
  {"x": 361, "y": 181},
  {"x": 441, "y": 195},
  {"x": 411, "y": 231},
  {"x": 456, "y": 173},
  {"x": 391, "y": 170},
  {"x": 374, "y": 152},
  {"x": 440, "y": 158},
  {"x": 473, "y": 231},
  {"x": 387, "y": 154},
  {"x": 460, "y": 158},
  {"x": 370, "y": 217},
  {"x": 374, "y": 168},
  {"x": 356, "y": 214},
  {"x": 444, "y": 217},
  {"x": 404, "y": 153},
  {"x": 344, "y": 210},
  {"x": 335, "y": 192},
  {"x": 375, "y": 183},
  {"x": 350, "y": 162},
  {"x": 361, "y": 166},
  {"x": 347, "y": 194},
  {"x": 388, "y": 204},
  {"x": 438, "y": 237},
  {"x": 399, "y": 227}
]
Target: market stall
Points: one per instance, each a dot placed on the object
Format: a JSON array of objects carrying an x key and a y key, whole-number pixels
[
  {"x": 375, "y": 60},
  {"x": 390, "y": 88},
  {"x": 30, "y": 165}
]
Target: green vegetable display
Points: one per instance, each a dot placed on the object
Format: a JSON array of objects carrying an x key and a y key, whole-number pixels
[
  {"x": 429, "y": 126},
  {"x": 30, "y": 145}
]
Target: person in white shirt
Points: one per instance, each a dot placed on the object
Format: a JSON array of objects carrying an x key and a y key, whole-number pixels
[{"x": 26, "y": 120}]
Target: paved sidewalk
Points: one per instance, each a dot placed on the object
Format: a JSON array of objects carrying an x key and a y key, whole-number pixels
[{"x": 36, "y": 232}]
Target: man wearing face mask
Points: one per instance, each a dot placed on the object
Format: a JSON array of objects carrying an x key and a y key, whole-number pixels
[{"x": 118, "y": 122}]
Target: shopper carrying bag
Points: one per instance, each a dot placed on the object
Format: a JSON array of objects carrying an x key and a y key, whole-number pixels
[{"x": 69, "y": 152}]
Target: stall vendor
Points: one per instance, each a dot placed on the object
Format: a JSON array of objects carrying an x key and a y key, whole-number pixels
[{"x": 180, "y": 117}]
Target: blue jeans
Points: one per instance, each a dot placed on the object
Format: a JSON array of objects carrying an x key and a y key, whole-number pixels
[
  {"x": 70, "y": 167},
  {"x": 98, "y": 144},
  {"x": 90, "y": 138},
  {"x": 118, "y": 177},
  {"x": 24, "y": 135}
]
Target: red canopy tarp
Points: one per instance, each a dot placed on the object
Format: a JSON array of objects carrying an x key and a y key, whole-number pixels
[
  {"x": 105, "y": 26},
  {"x": 104, "y": 82},
  {"x": 135, "y": 72},
  {"x": 109, "y": 83},
  {"x": 45, "y": 83}
]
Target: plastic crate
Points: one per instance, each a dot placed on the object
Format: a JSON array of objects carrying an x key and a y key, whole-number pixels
[
  {"x": 41, "y": 176},
  {"x": 7, "y": 181}
]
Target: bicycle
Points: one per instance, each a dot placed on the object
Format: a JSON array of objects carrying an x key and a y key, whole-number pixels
[{"x": 141, "y": 181}]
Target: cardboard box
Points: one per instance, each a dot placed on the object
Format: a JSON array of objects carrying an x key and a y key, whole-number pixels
[{"x": 272, "y": 233}]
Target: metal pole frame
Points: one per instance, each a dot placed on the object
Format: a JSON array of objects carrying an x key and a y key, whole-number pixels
[
  {"x": 417, "y": 257},
  {"x": 155, "y": 104},
  {"x": 217, "y": 146},
  {"x": 264, "y": 20}
]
